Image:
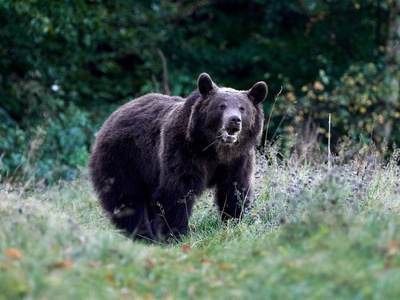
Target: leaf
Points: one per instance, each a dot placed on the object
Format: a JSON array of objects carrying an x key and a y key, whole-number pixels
[
  {"x": 223, "y": 267},
  {"x": 13, "y": 253},
  {"x": 186, "y": 247},
  {"x": 393, "y": 248},
  {"x": 149, "y": 262},
  {"x": 149, "y": 296},
  {"x": 318, "y": 86},
  {"x": 65, "y": 264},
  {"x": 393, "y": 245},
  {"x": 209, "y": 261},
  {"x": 110, "y": 277}
]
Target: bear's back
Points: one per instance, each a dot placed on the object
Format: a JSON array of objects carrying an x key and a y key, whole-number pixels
[
  {"x": 150, "y": 105},
  {"x": 142, "y": 114},
  {"x": 131, "y": 135}
]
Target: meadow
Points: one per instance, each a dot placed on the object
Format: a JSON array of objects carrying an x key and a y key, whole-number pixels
[
  {"x": 313, "y": 231},
  {"x": 317, "y": 228}
]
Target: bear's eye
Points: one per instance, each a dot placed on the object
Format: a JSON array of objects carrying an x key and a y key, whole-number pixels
[
  {"x": 241, "y": 109},
  {"x": 222, "y": 106}
]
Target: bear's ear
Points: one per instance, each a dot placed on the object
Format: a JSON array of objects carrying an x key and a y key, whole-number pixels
[
  {"x": 258, "y": 92},
  {"x": 205, "y": 84}
]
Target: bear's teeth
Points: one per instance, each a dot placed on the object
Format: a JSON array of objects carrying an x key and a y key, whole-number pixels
[
  {"x": 232, "y": 131},
  {"x": 229, "y": 136}
]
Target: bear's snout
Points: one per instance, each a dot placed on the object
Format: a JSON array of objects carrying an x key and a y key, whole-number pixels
[
  {"x": 235, "y": 120},
  {"x": 234, "y": 124},
  {"x": 232, "y": 129}
]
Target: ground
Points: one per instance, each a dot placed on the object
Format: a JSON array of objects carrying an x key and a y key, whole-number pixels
[{"x": 313, "y": 232}]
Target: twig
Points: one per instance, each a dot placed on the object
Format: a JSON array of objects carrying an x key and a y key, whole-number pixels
[
  {"x": 269, "y": 119},
  {"x": 149, "y": 239},
  {"x": 154, "y": 79},
  {"x": 166, "y": 89},
  {"x": 279, "y": 125},
  {"x": 209, "y": 146},
  {"x": 217, "y": 137}
]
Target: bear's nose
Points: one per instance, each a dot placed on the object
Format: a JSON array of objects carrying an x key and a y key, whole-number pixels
[{"x": 235, "y": 119}]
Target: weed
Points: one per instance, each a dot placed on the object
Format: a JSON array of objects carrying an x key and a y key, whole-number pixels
[{"x": 310, "y": 232}]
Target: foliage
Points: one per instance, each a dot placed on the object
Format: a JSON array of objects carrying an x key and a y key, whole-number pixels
[
  {"x": 359, "y": 101},
  {"x": 313, "y": 232},
  {"x": 95, "y": 53},
  {"x": 362, "y": 100},
  {"x": 69, "y": 130}
]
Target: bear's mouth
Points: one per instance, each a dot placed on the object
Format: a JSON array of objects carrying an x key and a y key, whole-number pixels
[{"x": 230, "y": 135}]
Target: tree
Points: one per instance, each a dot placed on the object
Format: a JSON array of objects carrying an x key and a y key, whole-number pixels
[{"x": 63, "y": 66}]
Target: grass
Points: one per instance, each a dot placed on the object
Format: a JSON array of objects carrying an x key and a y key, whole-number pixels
[{"x": 310, "y": 234}]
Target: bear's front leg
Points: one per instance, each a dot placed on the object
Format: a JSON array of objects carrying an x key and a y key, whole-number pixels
[
  {"x": 233, "y": 199},
  {"x": 173, "y": 214},
  {"x": 233, "y": 188}
]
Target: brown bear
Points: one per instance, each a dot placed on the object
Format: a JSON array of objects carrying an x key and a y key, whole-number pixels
[{"x": 155, "y": 154}]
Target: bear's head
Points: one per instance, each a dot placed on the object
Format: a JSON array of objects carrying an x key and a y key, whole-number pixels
[{"x": 225, "y": 117}]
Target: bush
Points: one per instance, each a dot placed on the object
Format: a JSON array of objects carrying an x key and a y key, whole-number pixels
[
  {"x": 56, "y": 148},
  {"x": 360, "y": 102},
  {"x": 85, "y": 54}
]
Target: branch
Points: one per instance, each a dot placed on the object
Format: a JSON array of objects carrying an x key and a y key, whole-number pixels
[{"x": 165, "y": 84}]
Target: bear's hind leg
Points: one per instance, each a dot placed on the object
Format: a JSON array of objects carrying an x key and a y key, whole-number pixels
[{"x": 133, "y": 217}]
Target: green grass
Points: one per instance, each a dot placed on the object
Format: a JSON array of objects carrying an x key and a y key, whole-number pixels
[{"x": 311, "y": 233}]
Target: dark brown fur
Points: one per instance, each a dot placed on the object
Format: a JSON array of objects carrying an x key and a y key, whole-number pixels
[{"x": 155, "y": 154}]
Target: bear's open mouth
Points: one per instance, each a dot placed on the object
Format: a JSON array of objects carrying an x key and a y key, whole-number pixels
[
  {"x": 232, "y": 131},
  {"x": 230, "y": 135}
]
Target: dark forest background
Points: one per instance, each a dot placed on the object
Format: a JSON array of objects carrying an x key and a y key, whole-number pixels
[{"x": 66, "y": 65}]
